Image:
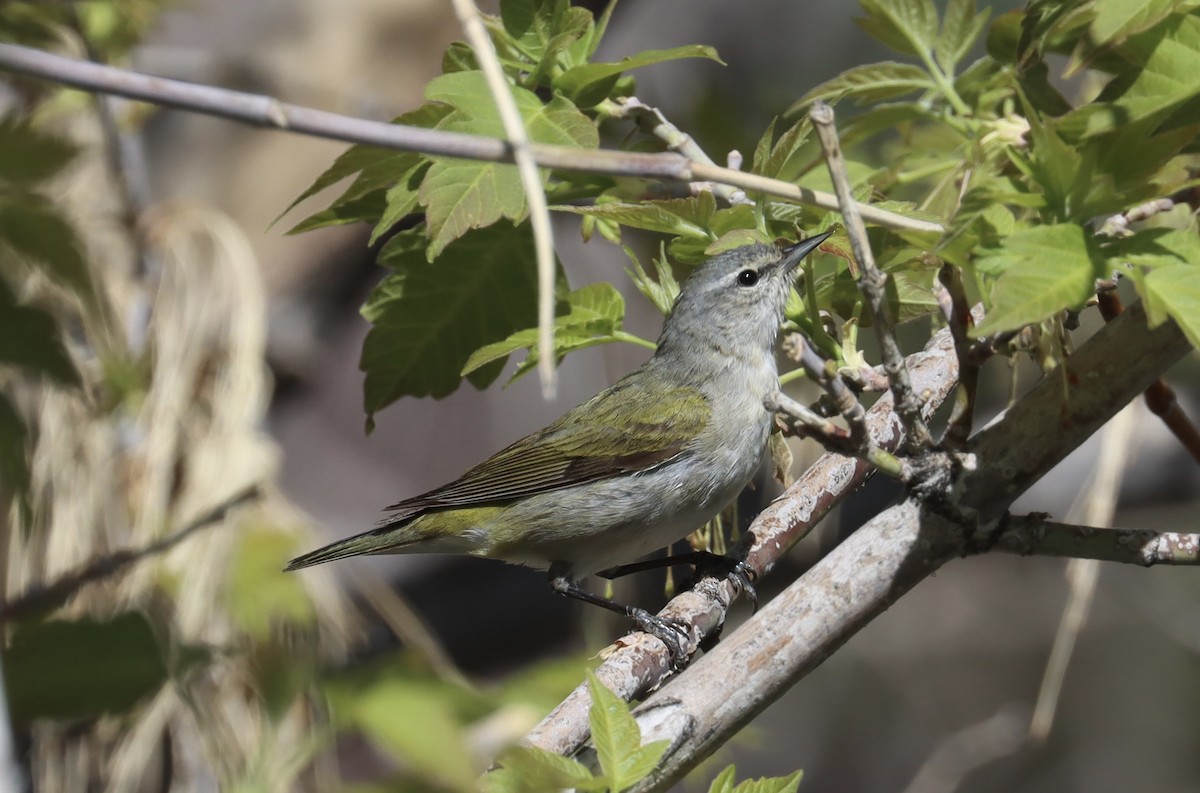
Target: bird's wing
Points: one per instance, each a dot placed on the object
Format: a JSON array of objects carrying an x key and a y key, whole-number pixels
[{"x": 618, "y": 431}]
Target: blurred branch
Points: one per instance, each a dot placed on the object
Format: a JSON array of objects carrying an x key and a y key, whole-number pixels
[
  {"x": 266, "y": 111},
  {"x": 531, "y": 181},
  {"x": 12, "y": 778},
  {"x": 50, "y": 596},
  {"x": 964, "y": 751},
  {"x": 873, "y": 283}
]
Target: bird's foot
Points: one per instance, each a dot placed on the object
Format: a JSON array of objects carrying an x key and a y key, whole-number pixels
[
  {"x": 735, "y": 571},
  {"x": 670, "y": 632}
]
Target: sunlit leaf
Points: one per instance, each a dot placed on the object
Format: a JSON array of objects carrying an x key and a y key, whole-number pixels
[
  {"x": 590, "y": 83},
  {"x": 869, "y": 83}
]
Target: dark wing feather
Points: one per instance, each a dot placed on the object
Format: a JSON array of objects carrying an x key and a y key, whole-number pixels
[{"x": 620, "y": 430}]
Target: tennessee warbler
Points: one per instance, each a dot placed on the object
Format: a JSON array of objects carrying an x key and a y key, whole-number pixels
[{"x": 636, "y": 467}]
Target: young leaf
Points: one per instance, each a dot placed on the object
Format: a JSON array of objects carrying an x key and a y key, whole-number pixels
[
  {"x": 33, "y": 227},
  {"x": 869, "y": 83},
  {"x": 960, "y": 28},
  {"x": 28, "y": 155},
  {"x": 14, "y": 457},
  {"x": 779, "y": 784},
  {"x": 460, "y": 195},
  {"x": 684, "y": 217},
  {"x": 402, "y": 199},
  {"x": 723, "y": 782},
  {"x": 777, "y": 162},
  {"x": 358, "y": 209},
  {"x": 29, "y": 339},
  {"x": 1117, "y": 19},
  {"x": 907, "y": 26},
  {"x": 529, "y": 769},
  {"x": 591, "y": 82},
  {"x": 1175, "y": 292},
  {"x": 1041, "y": 270},
  {"x": 594, "y": 315},
  {"x": 661, "y": 292},
  {"x": 45, "y": 679},
  {"x": 617, "y": 738},
  {"x": 429, "y": 318}
]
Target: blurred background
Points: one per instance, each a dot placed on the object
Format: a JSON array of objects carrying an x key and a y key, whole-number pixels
[{"x": 934, "y": 696}]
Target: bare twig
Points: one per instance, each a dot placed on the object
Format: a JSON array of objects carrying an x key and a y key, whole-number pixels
[
  {"x": 265, "y": 111},
  {"x": 806, "y": 422},
  {"x": 531, "y": 181},
  {"x": 641, "y": 663},
  {"x": 873, "y": 282},
  {"x": 1035, "y": 535},
  {"x": 859, "y": 442},
  {"x": 654, "y": 122},
  {"x": 1118, "y": 225},
  {"x": 49, "y": 596}
]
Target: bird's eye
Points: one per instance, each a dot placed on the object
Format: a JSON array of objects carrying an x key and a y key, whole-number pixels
[{"x": 747, "y": 277}]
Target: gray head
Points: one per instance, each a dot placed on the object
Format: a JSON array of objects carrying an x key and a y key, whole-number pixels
[{"x": 736, "y": 299}]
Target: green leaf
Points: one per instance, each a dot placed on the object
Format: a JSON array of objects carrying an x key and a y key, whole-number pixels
[
  {"x": 365, "y": 208},
  {"x": 402, "y": 200},
  {"x": 961, "y": 26},
  {"x": 1154, "y": 247},
  {"x": 661, "y": 291},
  {"x": 779, "y": 784},
  {"x": 1166, "y": 80},
  {"x": 460, "y": 195},
  {"x": 529, "y": 769},
  {"x": 27, "y": 155},
  {"x": 260, "y": 596},
  {"x": 429, "y": 318},
  {"x": 591, "y": 82},
  {"x": 776, "y": 161},
  {"x": 29, "y": 339},
  {"x": 380, "y": 167},
  {"x": 73, "y": 669},
  {"x": 533, "y": 23},
  {"x": 617, "y": 738},
  {"x": 907, "y": 26},
  {"x": 684, "y": 217},
  {"x": 14, "y": 454},
  {"x": 723, "y": 782},
  {"x": 33, "y": 227},
  {"x": 594, "y": 316},
  {"x": 1041, "y": 270},
  {"x": 869, "y": 83},
  {"x": 418, "y": 726},
  {"x": 1117, "y": 19},
  {"x": 1175, "y": 292}
]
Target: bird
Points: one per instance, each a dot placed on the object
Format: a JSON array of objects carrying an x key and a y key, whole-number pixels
[{"x": 640, "y": 465}]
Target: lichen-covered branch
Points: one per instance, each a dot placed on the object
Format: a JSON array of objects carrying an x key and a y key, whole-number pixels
[{"x": 1037, "y": 535}]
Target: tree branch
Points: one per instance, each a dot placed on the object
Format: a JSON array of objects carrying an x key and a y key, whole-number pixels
[
  {"x": 264, "y": 111},
  {"x": 894, "y": 551},
  {"x": 50, "y": 596},
  {"x": 1036, "y": 535}
]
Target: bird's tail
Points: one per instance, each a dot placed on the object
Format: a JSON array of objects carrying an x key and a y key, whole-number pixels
[{"x": 398, "y": 534}]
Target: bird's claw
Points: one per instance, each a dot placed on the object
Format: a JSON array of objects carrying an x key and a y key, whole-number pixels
[
  {"x": 670, "y": 632},
  {"x": 735, "y": 571}
]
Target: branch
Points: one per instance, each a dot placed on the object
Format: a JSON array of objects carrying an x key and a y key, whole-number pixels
[
  {"x": 531, "y": 181},
  {"x": 817, "y": 613},
  {"x": 641, "y": 663},
  {"x": 50, "y": 596},
  {"x": 873, "y": 283},
  {"x": 264, "y": 111},
  {"x": 1035, "y": 535}
]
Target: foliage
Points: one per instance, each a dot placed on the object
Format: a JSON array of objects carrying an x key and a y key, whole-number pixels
[
  {"x": 622, "y": 759},
  {"x": 988, "y": 147}
]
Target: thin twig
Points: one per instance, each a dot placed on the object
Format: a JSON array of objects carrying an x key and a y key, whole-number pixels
[
  {"x": 873, "y": 282},
  {"x": 964, "y": 751},
  {"x": 1035, "y": 535},
  {"x": 805, "y": 422},
  {"x": 652, "y": 120},
  {"x": 50, "y": 596},
  {"x": 859, "y": 442},
  {"x": 531, "y": 181},
  {"x": 1160, "y": 397},
  {"x": 265, "y": 111},
  {"x": 958, "y": 318}
]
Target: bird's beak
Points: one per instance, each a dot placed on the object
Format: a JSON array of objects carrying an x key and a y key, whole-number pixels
[{"x": 794, "y": 253}]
